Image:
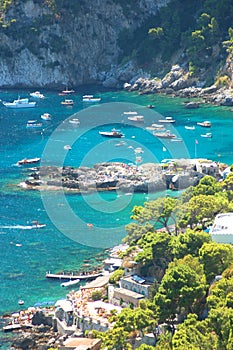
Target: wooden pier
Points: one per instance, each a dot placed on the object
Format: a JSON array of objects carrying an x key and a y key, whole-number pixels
[{"x": 64, "y": 276}]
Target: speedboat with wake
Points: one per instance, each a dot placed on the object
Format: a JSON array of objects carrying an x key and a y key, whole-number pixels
[{"x": 114, "y": 133}]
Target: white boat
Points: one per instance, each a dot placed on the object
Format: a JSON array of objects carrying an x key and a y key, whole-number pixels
[
  {"x": 26, "y": 161},
  {"x": 36, "y": 224},
  {"x": 31, "y": 124},
  {"x": 167, "y": 120},
  {"x": 207, "y": 135},
  {"x": 178, "y": 139},
  {"x": 114, "y": 133},
  {"x": 91, "y": 98},
  {"x": 121, "y": 143},
  {"x": 158, "y": 126},
  {"x": 20, "y": 302},
  {"x": 138, "y": 150},
  {"x": 19, "y": 103},
  {"x": 136, "y": 118},
  {"x": 67, "y": 102},
  {"x": 190, "y": 127},
  {"x": 36, "y": 94},
  {"x": 46, "y": 116},
  {"x": 130, "y": 113},
  {"x": 150, "y": 128},
  {"x": 138, "y": 159},
  {"x": 205, "y": 124},
  {"x": 66, "y": 92},
  {"x": 74, "y": 121},
  {"x": 39, "y": 226},
  {"x": 165, "y": 135},
  {"x": 70, "y": 283},
  {"x": 67, "y": 147}
]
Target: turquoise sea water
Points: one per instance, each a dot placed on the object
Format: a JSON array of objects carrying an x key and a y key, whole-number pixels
[{"x": 67, "y": 241}]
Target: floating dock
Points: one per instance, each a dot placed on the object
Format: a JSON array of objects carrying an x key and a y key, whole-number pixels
[
  {"x": 64, "y": 276},
  {"x": 16, "y": 326}
]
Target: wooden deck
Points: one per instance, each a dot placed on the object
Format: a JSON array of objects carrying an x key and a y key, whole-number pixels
[{"x": 72, "y": 277}]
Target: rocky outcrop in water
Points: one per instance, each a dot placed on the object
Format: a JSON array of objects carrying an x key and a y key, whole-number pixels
[{"x": 146, "y": 178}]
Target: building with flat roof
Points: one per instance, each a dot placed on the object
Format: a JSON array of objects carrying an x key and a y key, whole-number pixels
[
  {"x": 81, "y": 344},
  {"x": 127, "y": 297},
  {"x": 136, "y": 284},
  {"x": 222, "y": 229}
]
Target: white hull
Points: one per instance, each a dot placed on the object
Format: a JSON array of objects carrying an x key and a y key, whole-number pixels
[
  {"x": 20, "y": 103},
  {"x": 36, "y": 94},
  {"x": 24, "y": 105},
  {"x": 91, "y": 98},
  {"x": 70, "y": 283}
]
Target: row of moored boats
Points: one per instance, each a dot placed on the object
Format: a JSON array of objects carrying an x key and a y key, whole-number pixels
[{"x": 26, "y": 103}]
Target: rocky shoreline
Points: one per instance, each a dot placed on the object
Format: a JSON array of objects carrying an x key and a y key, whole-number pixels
[
  {"x": 179, "y": 83},
  {"x": 113, "y": 176}
]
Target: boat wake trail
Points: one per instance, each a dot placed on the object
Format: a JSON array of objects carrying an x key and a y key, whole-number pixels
[{"x": 21, "y": 227}]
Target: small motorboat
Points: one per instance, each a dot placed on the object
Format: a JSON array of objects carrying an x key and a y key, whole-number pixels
[
  {"x": 33, "y": 124},
  {"x": 36, "y": 224},
  {"x": 138, "y": 159},
  {"x": 67, "y": 147},
  {"x": 66, "y": 92},
  {"x": 74, "y": 121},
  {"x": 207, "y": 135},
  {"x": 138, "y": 150},
  {"x": 136, "y": 118},
  {"x": 130, "y": 113},
  {"x": 167, "y": 120},
  {"x": 36, "y": 94},
  {"x": 150, "y": 128},
  {"x": 91, "y": 98},
  {"x": 46, "y": 116},
  {"x": 121, "y": 143},
  {"x": 191, "y": 127},
  {"x": 67, "y": 102},
  {"x": 113, "y": 133},
  {"x": 70, "y": 283},
  {"x": 158, "y": 126},
  {"x": 178, "y": 139},
  {"x": 205, "y": 124},
  {"x": 164, "y": 135},
  {"x": 20, "y": 302},
  {"x": 26, "y": 161}
]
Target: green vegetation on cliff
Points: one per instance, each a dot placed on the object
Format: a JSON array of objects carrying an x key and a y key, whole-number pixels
[
  {"x": 197, "y": 29},
  {"x": 196, "y": 34},
  {"x": 186, "y": 298}
]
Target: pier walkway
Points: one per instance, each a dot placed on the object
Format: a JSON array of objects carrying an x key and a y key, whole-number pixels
[{"x": 64, "y": 276}]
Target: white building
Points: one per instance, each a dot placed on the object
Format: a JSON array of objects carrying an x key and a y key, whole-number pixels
[{"x": 222, "y": 229}]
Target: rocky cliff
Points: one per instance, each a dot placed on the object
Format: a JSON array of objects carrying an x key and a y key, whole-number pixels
[{"x": 48, "y": 47}]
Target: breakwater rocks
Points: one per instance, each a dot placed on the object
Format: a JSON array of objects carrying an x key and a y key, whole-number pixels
[
  {"x": 178, "y": 82},
  {"x": 145, "y": 178}
]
